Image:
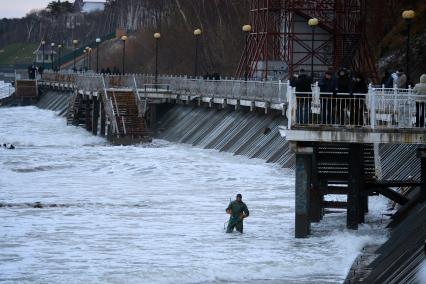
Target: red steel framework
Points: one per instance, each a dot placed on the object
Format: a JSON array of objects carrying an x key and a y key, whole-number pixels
[{"x": 280, "y": 33}]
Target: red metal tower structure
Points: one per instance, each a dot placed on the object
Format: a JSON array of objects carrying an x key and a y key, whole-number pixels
[{"x": 280, "y": 42}]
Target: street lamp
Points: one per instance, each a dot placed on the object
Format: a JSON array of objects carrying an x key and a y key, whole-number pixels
[
  {"x": 197, "y": 34},
  {"x": 124, "y": 39},
  {"x": 157, "y": 37},
  {"x": 74, "y": 43},
  {"x": 90, "y": 58},
  {"x": 88, "y": 51},
  {"x": 59, "y": 58},
  {"x": 408, "y": 16},
  {"x": 52, "y": 56},
  {"x": 43, "y": 43},
  {"x": 247, "y": 30},
  {"x": 84, "y": 59},
  {"x": 313, "y": 23},
  {"x": 98, "y": 41},
  {"x": 87, "y": 58}
]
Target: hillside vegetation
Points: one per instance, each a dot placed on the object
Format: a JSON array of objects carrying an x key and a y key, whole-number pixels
[
  {"x": 222, "y": 41},
  {"x": 17, "y": 53}
]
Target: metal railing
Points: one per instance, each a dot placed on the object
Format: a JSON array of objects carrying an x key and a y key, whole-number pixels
[
  {"x": 273, "y": 92},
  {"x": 379, "y": 108},
  {"x": 108, "y": 107}
]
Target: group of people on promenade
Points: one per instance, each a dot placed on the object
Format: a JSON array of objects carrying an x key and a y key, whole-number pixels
[
  {"x": 110, "y": 71},
  {"x": 344, "y": 84},
  {"x": 343, "y": 81},
  {"x": 420, "y": 89},
  {"x": 33, "y": 70},
  {"x": 397, "y": 78}
]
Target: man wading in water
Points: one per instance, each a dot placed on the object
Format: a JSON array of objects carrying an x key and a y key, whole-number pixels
[{"x": 238, "y": 211}]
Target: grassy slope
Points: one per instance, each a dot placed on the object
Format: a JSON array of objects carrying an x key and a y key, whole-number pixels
[{"x": 17, "y": 53}]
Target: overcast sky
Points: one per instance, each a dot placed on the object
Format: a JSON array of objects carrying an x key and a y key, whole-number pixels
[{"x": 19, "y": 8}]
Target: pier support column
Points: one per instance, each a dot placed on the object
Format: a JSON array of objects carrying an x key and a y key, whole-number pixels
[
  {"x": 77, "y": 110},
  {"x": 421, "y": 153},
  {"x": 303, "y": 186},
  {"x": 102, "y": 111},
  {"x": 323, "y": 184},
  {"x": 152, "y": 115},
  {"x": 355, "y": 186},
  {"x": 315, "y": 197},
  {"x": 88, "y": 113},
  {"x": 95, "y": 115}
]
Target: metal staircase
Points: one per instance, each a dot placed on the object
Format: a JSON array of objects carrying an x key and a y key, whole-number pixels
[{"x": 130, "y": 125}]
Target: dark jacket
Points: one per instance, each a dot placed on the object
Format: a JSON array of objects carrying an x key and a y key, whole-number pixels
[
  {"x": 303, "y": 83},
  {"x": 237, "y": 208},
  {"x": 327, "y": 85},
  {"x": 344, "y": 82},
  {"x": 360, "y": 87}
]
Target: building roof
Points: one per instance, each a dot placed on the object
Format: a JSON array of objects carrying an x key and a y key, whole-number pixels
[{"x": 92, "y": 6}]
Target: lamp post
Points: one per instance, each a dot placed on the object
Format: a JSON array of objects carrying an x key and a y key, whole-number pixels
[
  {"x": 408, "y": 16},
  {"x": 87, "y": 58},
  {"x": 90, "y": 58},
  {"x": 247, "y": 30},
  {"x": 98, "y": 41},
  {"x": 59, "y": 58},
  {"x": 88, "y": 55},
  {"x": 74, "y": 43},
  {"x": 43, "y": 43},
  {"x": 124, "y": 39},
  {"x": 197, "y": 34},
  {"x": 157, "y": 37},
  {"x": 52, "y": 56},
  {"x": 313, "y": 23},
  {"x": 84, "y": 60}
]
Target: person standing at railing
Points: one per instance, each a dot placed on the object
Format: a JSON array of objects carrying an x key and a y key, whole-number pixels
[
  {"x": 386, "y": 77},
  {"x": 328, "y": 83},
  {"x": 420, "y": 90},
  {"x": 344, "y": 82},
  {"x": 327, "y": 88},
  {"x": 401, "y": 82},
  {"x": 392, "y": 80},
  {"x": 358, "y": 101},
  {"x": 343, "y": 89},
  {"x": 302, "y": 83}
]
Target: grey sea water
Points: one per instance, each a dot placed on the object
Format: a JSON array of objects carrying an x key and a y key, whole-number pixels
[{"x": 153, "y": 213}]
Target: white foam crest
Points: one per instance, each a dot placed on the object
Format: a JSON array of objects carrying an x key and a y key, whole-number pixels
[{"x": 30, "y": 126}]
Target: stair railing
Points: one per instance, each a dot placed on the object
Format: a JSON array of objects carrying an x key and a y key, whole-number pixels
[
  {"x": 118, "y": 113},
  {"x": 141, "y": 104},
  {"x": 108, "y": 107}
]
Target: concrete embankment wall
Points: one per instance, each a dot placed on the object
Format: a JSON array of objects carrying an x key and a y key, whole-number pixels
[
  {"x": 55, "y": 100},
  {"x": 243, "y": 133},
  {"x": 246, "y": 133}
]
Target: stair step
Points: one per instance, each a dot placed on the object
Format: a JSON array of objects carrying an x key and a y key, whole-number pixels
[{"x": 335, "y": 204}]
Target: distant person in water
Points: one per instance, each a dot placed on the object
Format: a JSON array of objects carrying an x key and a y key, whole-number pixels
[
  {"x": 10, "y": 146},
  {"x": 238, "y": 211}
]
